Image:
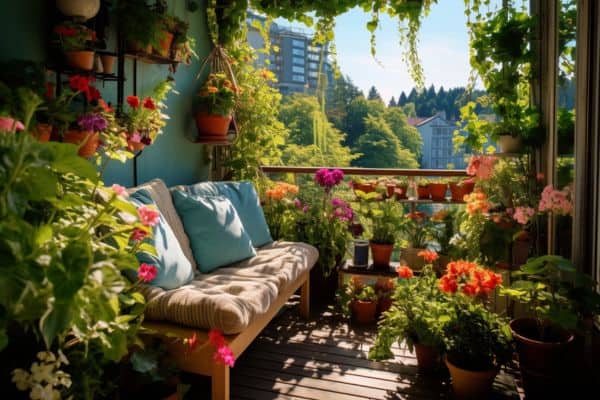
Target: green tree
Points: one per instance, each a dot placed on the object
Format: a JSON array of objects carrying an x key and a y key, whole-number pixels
[
  {"x": 409, "y": 110},
  {"x": 343, "y": 92},
  {"x": 357, "y": 111},
  {"x": 374, "y": 94},
  {"x": 409, "y": 136},
  {"x": 402, "y": 100},
  {"x": 380, "y": 148},
  {"x": 392, "y": 102}
]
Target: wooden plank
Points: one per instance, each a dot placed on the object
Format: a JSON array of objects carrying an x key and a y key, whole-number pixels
[
  {"x": 305, "y": 300},
  {"x": 220, "y": 382},
  {"x": 368, "y": 171},
  {"x": 242, "y": 392}
]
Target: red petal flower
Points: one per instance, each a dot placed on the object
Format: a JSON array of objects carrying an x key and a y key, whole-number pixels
[
  {"x": 215, "y": 338},
  {"x": 133, "y": 101},
  {"x": 404, "y": 272},
  {"x": 149, "y": 103}
]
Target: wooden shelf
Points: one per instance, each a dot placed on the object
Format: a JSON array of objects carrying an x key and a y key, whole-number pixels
[
  {"x": 101, "y": 76},
  {"x": 430, "y": 201},
  {"x": 151, "y": 58},
  {"x": 370, "y": 270}
]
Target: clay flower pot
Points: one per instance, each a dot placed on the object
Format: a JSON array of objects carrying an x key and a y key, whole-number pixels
[
  {"x": 409, "y": 256},
  {"x": 423, "y": 192},
  {"x": 383, "y": 304},
  {"x": 363, "y": 187},
  {"x": 459, "y": 191},
  {"x": 108, "y": 62},
  {"x": 401, "y": 192},
  {"x": 215, "y": 126},
  {"x": 83, "y": 59},
  {"x": 468, "y": 384},
  {"x": 428, "y": 358},
  {"x": 363, "y": 312},
  {"x": 382, "y": 253},
  {"x": 438, "y": 191},
  {"x": 88, "y": 141},
  {"x": 136, "y": 47},
  {"x": 510, "y": 144},
  {"x": 135, "y": 146},
  {"x": 42, "y": 132},
  {"x": 164, "y": 49}
]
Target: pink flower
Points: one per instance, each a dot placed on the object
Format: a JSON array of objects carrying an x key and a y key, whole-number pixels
[
  {"x": 147, "y": 272},
  {"x": 138, "y": 235},
  {"x": 135, "y": 137},
  {"x": 224, "y": 355},
  {"x": 148, "y": 216},
  {"x": 215, "y": 338},
  {"x": 328, "y": 178},
  {"x": 523, "y": 214},
  {"x": 119, "y": 190},
  {"x": 10, "y": 125},
  {"x": 557, "y": 201},
  {"x": 481, "y": 167}
]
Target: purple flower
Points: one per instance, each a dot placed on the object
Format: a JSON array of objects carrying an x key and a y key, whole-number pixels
[
  {"x": 342, "y": 210},
  {"x": 92, "y": 122},
  {"x": 328, "y": 178}
]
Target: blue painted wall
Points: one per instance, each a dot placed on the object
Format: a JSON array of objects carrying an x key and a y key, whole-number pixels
[{"x": 24, "y": 26}]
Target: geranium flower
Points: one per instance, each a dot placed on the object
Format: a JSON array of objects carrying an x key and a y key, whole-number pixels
[
  {"x": 212, "y": 89},
  {"x": 9, "y": 124},
  {"x": 215, "y": 338},
  {"x": 92, "y": 122},
  {"x": 147, "y": 272},
  {"x": 404, "y": 272},
  {"x": 557, "y": 201},
  {"x": 133, "y": 101},
  {"x": 428, "y": 255},
  {"x": 224, "y": 355},
  {"x": 137, "y": 235},
  {"x": 149, "y": 103},
  {"x": 523, "y": 214},
  {"x": 65, "y": 30},
  {"x": 468, "y": 277},
  {"x": 107, "y": 108},
  {"x": 481, "y": 167},
  {"x": 476, "y": 203},
  {"x": 148, "y": 216}
]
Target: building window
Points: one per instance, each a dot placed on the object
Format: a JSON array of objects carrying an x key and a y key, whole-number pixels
[
  {"x": 298, "y": 60},
  {"x": 298, "y": 43},
  {"x": 298, "y": 78},
  {"x": 298, "y": 52},
  {"x": 313, "y": 57},
  {"x": 297, "y": 69},
  {"x": 313, "y": 74},
  {"x": 313, "y": 65}
]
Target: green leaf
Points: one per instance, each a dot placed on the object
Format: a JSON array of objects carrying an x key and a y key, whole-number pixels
[
  {"x": 56, "y": 320},
  {"x": 43, "y": 234},
  {"x": 41, "y": 184},
  {"x": 66, "y": 160},
  {"x": 69, "y": 277},
  {"x": 125, "y": 206}
]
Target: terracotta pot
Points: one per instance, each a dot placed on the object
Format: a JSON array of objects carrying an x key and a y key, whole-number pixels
[
  {"x": 543, "y": 364},
  {"x": 509, "y": 144},
  {"x": 382, "y": 253},
  {"x": 383, "y": 304},
  {"x": 401, "y": 191},
  {"x": 441, "y": 263},
  {"x": 108, "y": 62},
  {"x": 42, "y": 132},
  {"x": 468, "y": 384},
  {"x": 363, "y": 312},
  {"x": 423, "y": 192},
  {"x": 136, "y": 47},
  {"x": 438, "y": 191},
  {"x": 363, "y": 187},
  {"x": 164, "y": 50},
  {"x": 390, "y": 190},
  {"x": 83, "y": 60},
  {"x": 409, "y": 257},
  {"x": 80, "y": 9},
  {"x": 215, "y": 126},
  {"x": 88, "y": 141},
  {"x": 428, "y": 358},
  {"x": 459, "y": 191}
]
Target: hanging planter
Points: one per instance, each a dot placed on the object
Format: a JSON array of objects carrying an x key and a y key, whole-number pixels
[
  {"x": 88, "y": 141},
  {"x": 79, "y": 9},
  {"x": 212, "y": 125}
]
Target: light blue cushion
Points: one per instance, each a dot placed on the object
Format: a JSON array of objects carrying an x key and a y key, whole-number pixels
[
  {"x": 174, "y": 269},
  {"x": 217, "y": 235},
  {"x": 245, "y": 200}
]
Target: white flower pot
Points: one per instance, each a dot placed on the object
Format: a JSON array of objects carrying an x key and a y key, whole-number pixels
[{"x": 81, "y": 9}]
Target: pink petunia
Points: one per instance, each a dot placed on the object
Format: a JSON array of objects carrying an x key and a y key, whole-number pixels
[
  {"x": 481, "y": 167},
  {"x": 146, "y": 272},
  {"x": 119, "y": 190},
  {"x": 224, "y": 355},
  {"x": 148, "y": 215}
]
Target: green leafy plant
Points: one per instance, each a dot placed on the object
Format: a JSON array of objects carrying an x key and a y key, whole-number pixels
[
  {"x": 141, "y": 24},
  {"x": 414, "y": 318},
  {"x": 71, "y": 36},
  {"x": 384, "y": 217},
  {"x": 218, "y": 95},
  {"x": 417, "y": 229},
  {"x": 556, "y": 292}
]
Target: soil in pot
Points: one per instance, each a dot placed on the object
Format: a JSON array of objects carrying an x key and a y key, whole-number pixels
[
  {"x": 88, "y": 141},
  {"x": 544, "y": 365},
  {"x": 382, "y": 254},
  {"x": 459, "y": 191},
  {"x": 363, "y": 312},
  {"x": 423, "y": 192},
  {"x": 214, "y": 126},
  {"x": 468, "y": 384},
  {"x": 428, "y": 358},
  {"x": 83, "y": 60},
  {"x": 438, "y": 191}
]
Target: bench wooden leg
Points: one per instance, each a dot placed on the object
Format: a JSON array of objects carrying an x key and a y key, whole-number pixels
[
  {"x": 220, "y": 382},
  {"x": 305, "y": 299}
]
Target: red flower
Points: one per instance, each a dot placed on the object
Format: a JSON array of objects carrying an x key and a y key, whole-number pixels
[
  {"x": 138, "y": 235},
  {"x": 215, "y": 338},
  {"x": 192, "y": 341},
  {"x": 404, "y": 272},
  {"x": 147, "y": 272},
  {"x": 79, "y": 83},
  {"x": 448, "y": 284},
  {"x": 133, "y": 101},
  {"x": 65, "y": 30},
  {"x": 428, "y": 255},
  {"x": 471, "y": 288},
  {"x": 416, "y": 216},
  {"x": 92, "y": 94},
  {"x": 149, "y": 103},
  {"x": 107, "y": 108},
  {"x": 93, "y": 36}
]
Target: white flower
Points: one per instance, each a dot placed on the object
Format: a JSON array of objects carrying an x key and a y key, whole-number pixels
[
  {"x": 62, "y": 359},
  {"x": 46, "y": 356},
  {"x": 21, "y": 378},
  {"x": 44, "y": 260},
  {"x": 47, "y": 392},
  {"x": 42, "y": 372}
]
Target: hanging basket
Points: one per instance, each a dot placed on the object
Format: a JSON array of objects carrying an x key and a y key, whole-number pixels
[{"x": 216, "y": 126}]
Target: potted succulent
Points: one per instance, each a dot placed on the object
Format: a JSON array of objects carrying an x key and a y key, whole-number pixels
[
  {"x": 477, "y": 341},
  {"x": 414, "y": 319},
  {"x": 417, "y": 230},
  {"x": 77, "y": 44},
  {"x": 438, "y": 189},
  {"x": 460, "y": 188},
  {"x": 216, "y": 101},
  {"x": 561, "y": 299}
]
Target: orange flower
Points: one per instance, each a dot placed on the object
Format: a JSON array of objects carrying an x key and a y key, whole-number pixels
[
  {"x": 404, "y": 272},
  {"x": 439, "y": 215},
  {"x": 428, "y": 255},
  {"x": 447, "y": 284},
  {"x": 469, "y": 277},
  {"x": 384, "y": 284},
  {"x": 266, "y": 74},
  {"x": 476, "y": 203},
  {"x": 212, "y": 89},
  {"x": 416, "y": 216}
]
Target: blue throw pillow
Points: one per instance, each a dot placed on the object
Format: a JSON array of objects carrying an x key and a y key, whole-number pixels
[
  {"x": 174, "y": 269},
  {"x": 217, "y": 235},
  {"x": 245, "y": 200}
]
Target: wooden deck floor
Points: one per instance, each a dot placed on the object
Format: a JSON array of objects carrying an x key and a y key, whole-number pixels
[{"x": 326, "y": 358}]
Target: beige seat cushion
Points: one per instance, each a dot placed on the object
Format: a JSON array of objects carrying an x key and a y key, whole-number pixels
[
  {"x": 162, "y": 197},
  {"x": 230, "y": 298}
]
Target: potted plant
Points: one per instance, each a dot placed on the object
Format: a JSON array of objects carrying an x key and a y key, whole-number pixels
[
  {"x": 365, "y": 186},
  {"x": 401, "y": 188},
  {"x": 385, "y": 220},
  {"x": 417, "y": 231},
  {"x": 87, "y": 133},
  {"x": 477, "y": 341},
  {"x": 359, "y": 301},
  {"x": 460, "y": 188},
  {"x": 438, "y": 189},
  {"x": 142, "y": 26},
  {"x": 384, "y": 288},
  {"x": 561, "y": 299},
  {"x": 216, "y": 101},
  {"x": 413, "y": 319},
  {"x": 444, "y": 229},
  {"x": 423, "y": 189},
  {"x": 77, "y": 44},
  {"x": 183, "y": 44}
]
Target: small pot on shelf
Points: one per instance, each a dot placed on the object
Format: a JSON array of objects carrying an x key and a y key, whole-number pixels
[
  {"x": 510, "y": 144},
  {"x": 438, "y": 191},
  {"x": 88, "y": 141},
  {"x": 460, "y": 189},
  {"x": 213, "y": 126},
  {"x": 82, "y": 59},
  {"x": 363, "y": 187},
  {"x": 400, "y": 192},
  {"x": 164, "y": 49},
  {"x": 383, "y": 304},
  {"x": 382, "y": 253},
  {"x": 409, "y": 256},
  {"x": 108, "y": 62},
  {"x": 361, "y": 253},
  {"x": 423, "y": 192}
]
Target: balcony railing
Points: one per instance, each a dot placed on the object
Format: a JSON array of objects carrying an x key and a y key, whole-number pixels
[{"x": 358, "y": 171}]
